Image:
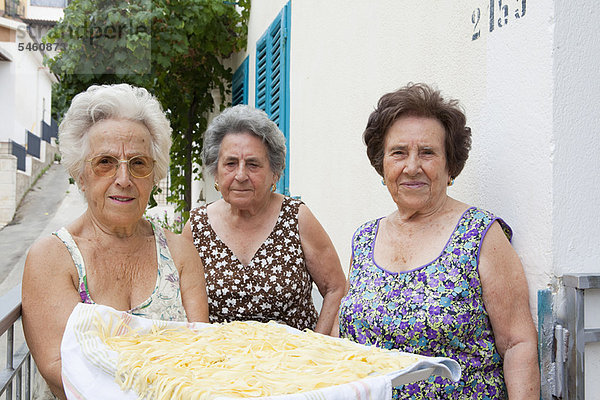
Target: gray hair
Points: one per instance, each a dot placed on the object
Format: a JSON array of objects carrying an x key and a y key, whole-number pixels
[
  {"x": 244, "y": 119},
  {"x": 104, "y": 102}
]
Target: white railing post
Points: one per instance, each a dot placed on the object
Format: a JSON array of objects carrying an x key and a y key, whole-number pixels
[{"x": 576, "y": 285}]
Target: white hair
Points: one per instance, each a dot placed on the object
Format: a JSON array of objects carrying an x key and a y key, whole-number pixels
[{"x": 121, "y": 101}]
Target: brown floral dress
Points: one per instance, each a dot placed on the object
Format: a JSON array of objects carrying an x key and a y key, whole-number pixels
[{"x": 275, "y": 285}]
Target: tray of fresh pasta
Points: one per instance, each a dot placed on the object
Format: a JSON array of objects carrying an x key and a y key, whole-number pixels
[{"x": 109, "y": 354}]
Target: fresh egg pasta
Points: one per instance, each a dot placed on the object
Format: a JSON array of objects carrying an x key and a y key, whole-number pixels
[{"x": 241, "y": 359}]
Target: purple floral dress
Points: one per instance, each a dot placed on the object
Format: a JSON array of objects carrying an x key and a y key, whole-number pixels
[
  {"x": 433, "y": 310},
  {"x": 165, "y": 301}
]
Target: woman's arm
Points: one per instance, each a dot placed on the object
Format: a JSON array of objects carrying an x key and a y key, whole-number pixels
[
  {"x": 335, "y": 329},
  {"x": 191, "y": 276},
  {"x": 186, "y": 232},
  {"x": 506, "y": 298},
  {"x": 49, "y": 295},
  {"x": 324, "y": 267}
]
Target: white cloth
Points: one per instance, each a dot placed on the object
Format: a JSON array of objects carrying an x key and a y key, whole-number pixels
[{"x": 89, "y": 367}]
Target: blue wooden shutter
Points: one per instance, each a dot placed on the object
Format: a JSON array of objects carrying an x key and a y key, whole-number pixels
[
  {"x": 239, "y": 85},
  {"x": 261, "y": 74},
  {"x": 272, "y": 81}
]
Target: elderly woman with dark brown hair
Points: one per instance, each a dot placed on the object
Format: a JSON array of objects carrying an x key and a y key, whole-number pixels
[{"x": 438, "y": 277}]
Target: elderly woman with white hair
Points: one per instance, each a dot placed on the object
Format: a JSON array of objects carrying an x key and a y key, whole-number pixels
[
  {"x": 115, "y": 143},
  {"x": 261, "y": 250}
]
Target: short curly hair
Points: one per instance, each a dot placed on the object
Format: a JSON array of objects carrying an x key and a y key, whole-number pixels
[
  {"x": 118, "y": 101},
  {"x": 419, "y": 99}
]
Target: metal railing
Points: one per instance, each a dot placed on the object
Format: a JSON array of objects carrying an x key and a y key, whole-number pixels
[
  {"x": 16, "y": 378},
  {"x": 576, "y": 284}
]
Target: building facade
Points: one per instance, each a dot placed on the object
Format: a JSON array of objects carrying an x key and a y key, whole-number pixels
[
  {"x": 525, "y": 72},
  {"x": 27, "y": 130}
]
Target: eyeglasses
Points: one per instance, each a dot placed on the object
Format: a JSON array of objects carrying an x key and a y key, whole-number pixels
[{"x": 106, "y": 166}]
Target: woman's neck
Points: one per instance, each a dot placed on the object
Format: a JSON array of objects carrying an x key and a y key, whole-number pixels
[
  {"x": 252, "y": 212},
  {"x": 421, "y": 215},
  {"x": 123, "y": 232}
]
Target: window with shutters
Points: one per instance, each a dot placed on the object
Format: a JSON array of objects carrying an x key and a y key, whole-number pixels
[
  {"x": 272, "y": 81},
  {"x": 239, "y": 85}
]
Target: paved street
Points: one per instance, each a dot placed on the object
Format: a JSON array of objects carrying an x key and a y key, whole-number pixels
[{"x": 51, "y": 203}]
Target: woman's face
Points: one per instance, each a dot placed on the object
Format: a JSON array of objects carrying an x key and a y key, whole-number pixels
[
  {"x": 244, "y": 174},
  {"x": 414, "y": 163},
  {"x": 119, "y": 200}
]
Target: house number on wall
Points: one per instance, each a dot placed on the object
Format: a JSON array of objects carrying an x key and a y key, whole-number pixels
[{"x": 500, "y": 14}]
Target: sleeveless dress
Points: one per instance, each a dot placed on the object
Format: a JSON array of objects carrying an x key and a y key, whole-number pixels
[
  {"x": 434, "y": 310},
  {"x": 165, "y": 301},
  {"x": 275, "y": 285}
]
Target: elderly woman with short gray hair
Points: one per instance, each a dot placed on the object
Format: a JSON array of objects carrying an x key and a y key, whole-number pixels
[
  {"x": 115, "y": 143},
  {"x": 261, "y": 250}
]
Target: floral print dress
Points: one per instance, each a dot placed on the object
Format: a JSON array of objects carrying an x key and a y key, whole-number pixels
[
  {"x": 434, "y": 310},
  {"x": 165, "y": 301},
  {"x": 275, "y": 285}
]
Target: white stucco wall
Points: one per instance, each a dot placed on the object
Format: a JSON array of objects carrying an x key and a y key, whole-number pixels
[
  {"x": 7, "y": 83},
  {"x": 510, "y": 171},
  {"x": 44, "y": 13},
  {"x": 576, "y": 175},
  {"x": 33, "y": 86},
  {"x": 26, "y": 90},
  {"x": 576, "y": 169},
  {"x": 7, "y": 104},
  {"x": 25, "y": 100}
]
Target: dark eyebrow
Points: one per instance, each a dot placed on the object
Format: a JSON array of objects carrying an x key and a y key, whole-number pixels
[{"x": 399, "y": 147}]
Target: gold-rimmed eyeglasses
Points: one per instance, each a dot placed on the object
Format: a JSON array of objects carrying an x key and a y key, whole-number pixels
[{"x": 106, "y": 166}]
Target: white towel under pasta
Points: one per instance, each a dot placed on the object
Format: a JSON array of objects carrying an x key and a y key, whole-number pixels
[{"x": 90, "y": 366}]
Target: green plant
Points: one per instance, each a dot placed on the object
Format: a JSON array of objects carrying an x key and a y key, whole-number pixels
[{"x": 151, "y": 200}]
